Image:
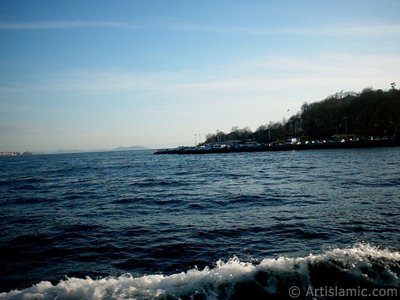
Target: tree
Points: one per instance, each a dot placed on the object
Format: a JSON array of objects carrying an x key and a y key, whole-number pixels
[{"x": 369, "y": 113}]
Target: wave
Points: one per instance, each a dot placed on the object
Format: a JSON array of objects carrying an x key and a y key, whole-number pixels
[{"x": 361, "y": 268}]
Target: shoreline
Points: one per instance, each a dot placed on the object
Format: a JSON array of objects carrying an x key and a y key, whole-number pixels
[{"x": 290, "y": 147}]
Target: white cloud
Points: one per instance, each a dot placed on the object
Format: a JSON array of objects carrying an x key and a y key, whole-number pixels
[
  {"x": 10, "y": 107},
  {"x": 40, "y": 25},
  {"x": 347, "y": 30},
  {"x": 269, "y": 73},
  {"x": 154, "y": 104},
  {"x": 325, "y": 30}
]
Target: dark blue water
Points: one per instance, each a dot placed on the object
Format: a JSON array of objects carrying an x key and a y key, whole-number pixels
[{"x": 152, "y": 217}]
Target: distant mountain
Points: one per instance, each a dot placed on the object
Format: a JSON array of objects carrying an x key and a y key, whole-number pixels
[
  {"x": 131, "y": 148},
  {"x": 62, "y": 151}
]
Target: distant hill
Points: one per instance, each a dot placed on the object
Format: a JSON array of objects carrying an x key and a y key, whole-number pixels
[
  {"x": 371, "y": 113},
  {"x": 131, "y": 148},
  {"x": 63, "y": 151}
]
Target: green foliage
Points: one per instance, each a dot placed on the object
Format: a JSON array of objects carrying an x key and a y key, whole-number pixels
[{"x": 369, "y": 113}]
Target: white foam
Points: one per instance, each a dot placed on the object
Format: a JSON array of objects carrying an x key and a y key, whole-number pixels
[{"x": 208, "y": 281}]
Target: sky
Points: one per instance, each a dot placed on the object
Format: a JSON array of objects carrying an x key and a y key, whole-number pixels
[{"x": 164, "y": 73}]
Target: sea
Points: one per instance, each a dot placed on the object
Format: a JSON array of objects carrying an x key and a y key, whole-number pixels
[{"x": 316, "y": 224}]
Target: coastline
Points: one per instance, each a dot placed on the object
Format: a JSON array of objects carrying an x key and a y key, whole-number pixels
[{"x": 394, "y": 142}]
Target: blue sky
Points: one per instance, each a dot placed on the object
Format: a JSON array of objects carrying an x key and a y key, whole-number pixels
[{"x": 102, "y": 74}]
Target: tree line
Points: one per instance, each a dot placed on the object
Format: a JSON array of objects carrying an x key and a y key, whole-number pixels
[{"x": 369, "y": 113}]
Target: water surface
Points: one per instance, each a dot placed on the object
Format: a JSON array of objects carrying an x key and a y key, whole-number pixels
[{"x": 106, "y": 214}]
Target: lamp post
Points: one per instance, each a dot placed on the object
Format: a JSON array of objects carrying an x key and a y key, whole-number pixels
[{"x": 345, "y": 125}]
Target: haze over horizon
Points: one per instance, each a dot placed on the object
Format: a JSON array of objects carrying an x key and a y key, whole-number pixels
[{"x": 99, "y": 74}]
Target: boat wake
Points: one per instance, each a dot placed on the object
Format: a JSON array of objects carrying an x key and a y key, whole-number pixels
[{"x": 363, "y": 269}]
